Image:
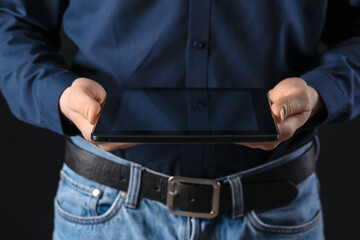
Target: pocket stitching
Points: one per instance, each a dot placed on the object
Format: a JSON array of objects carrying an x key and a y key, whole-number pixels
[
  {"x": 79, "y": 186},
  {"x": 110, "y": 213},
  {"x": 260, "y": 225}
]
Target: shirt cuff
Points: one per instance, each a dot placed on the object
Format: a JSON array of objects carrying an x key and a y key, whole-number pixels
[
  {"x": 332, "y": 97},
  {"x": 49, "y": 92}
]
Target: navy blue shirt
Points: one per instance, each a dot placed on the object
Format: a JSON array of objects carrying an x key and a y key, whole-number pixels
[{"x": 178, "y": 43}]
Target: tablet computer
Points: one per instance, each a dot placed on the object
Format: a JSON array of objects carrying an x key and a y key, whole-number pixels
[{"x": 173, "y": 115}]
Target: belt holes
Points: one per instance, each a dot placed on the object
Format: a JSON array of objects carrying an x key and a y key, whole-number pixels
[{"x": 157, "y": 188}]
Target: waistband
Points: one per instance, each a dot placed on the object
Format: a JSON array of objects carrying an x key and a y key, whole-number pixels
[
  {"x": 94, "y": 149},
  {"x": 273, "y": 182}
]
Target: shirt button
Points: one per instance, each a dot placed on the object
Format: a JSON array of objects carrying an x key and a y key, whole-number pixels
[
  {"x": 198, "y": 104},
  {"x": 198, "y": 44}
]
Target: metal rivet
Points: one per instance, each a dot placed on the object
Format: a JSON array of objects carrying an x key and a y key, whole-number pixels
[
  {"x": 123, "y": 194},
  {"x": 96, "y": 192}
]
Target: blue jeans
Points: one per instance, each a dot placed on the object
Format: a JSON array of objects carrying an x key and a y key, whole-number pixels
[{"x": 88, "y": 210}]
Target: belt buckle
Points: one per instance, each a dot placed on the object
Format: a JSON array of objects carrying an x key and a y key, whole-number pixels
[{"x": 215, "y": 197}]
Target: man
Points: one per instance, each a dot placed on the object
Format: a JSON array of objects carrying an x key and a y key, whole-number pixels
[{"x": 267, "y": 190}]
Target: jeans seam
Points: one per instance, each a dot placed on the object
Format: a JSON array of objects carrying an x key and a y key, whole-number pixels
[
  {"x": 114, "y": 209},
  {"x": 258, "y": 224},
  {"x": 97, "y": 200},
  {"x": 79, "y": 186}
]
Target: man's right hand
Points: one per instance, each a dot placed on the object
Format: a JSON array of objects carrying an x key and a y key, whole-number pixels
[{"x": 81, "y": 103}]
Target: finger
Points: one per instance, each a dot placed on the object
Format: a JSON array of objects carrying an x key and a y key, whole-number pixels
[
  {"x": 289, "y": 105},
  {"x": 267, "y": 146},
  {"x": 83, "y": 125},
  {"x": 86, "y": 130},
  {"x": 106, "y": 146},
  {"x": 287, "y": 87},
  {"x": 93, "y": 113},
  {"x": 288, "y": 127},
  {"x": 83, "y": 104},
  {"x": 91, "y": 88},
  {"x": 274, "y": 95},
  {"x": 279, "y": 91}
]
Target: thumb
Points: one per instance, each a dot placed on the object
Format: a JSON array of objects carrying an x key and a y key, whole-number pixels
[
  {"x": 92, "y": 111},
  {"x": 287, "y": 106},
  {"x": 87, "y": 97},
  {"x": 85, "y": 105}
]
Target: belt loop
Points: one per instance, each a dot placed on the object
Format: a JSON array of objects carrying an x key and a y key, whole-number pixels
[
  {"x": 237, "y": 196},
  {"x": 317, "y": 147},
  {"x": 134, "y": 186}
]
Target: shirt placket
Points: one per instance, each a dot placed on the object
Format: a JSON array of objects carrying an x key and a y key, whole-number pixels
[
  {"x": 197, "y": 57},
  {"x": 198, "y": 43}
]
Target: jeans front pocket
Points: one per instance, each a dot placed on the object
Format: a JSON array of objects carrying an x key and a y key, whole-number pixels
[
  {"x": 284, "y": 229},
  {"x": 299, "y": 217},
  {"x": 83, "y": 201}
]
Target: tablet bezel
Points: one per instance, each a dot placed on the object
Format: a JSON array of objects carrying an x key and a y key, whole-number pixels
[{"x": 261, "y": 103}]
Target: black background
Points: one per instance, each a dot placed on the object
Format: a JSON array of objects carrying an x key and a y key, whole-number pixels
[{"x": 32, "y": 157}]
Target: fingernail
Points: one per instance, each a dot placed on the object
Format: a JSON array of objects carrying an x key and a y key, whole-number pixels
[{"x": 282, "y": 114}]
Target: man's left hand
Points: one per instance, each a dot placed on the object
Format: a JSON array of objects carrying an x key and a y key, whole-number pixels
[{"x": 293, "y": 102}]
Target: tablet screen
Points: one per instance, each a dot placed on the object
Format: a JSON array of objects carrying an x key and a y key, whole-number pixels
[
  {"x": 179, "y": 113},
  {"x": 184, "y": 111}
]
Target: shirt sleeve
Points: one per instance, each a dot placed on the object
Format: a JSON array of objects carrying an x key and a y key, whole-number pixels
[
  {"x": 32, "y": 74},
  {"x": 337, "y": 76}
]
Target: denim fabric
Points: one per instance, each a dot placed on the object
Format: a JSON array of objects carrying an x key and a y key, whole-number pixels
[{"x": 88, "y": 210}]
